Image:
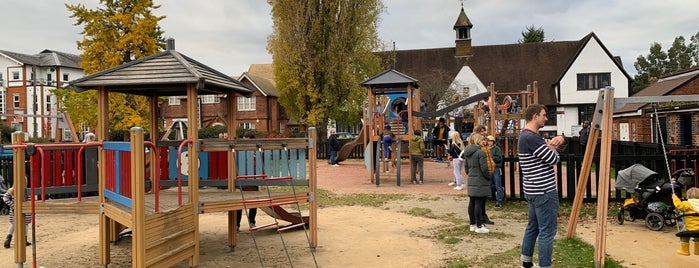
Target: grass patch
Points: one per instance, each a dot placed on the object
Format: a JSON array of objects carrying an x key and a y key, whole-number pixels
[
  {"x": 567, "y": 253},
  {"x": 325, "y": 198}
]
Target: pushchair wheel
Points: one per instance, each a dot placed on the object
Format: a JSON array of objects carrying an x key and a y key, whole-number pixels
[
  {"x": 5, "y": 211},
  {"x": 620, "y": 216},
  {"x": 655, "y": 221}
]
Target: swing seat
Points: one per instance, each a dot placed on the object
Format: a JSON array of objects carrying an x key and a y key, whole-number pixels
[{"x": 686, "y": 233}]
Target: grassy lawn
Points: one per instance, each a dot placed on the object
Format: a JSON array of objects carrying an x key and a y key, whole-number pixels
[{"x": 567, "y": 252}]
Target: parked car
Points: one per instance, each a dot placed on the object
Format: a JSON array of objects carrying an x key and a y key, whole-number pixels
[{"x": 342, "y": 136}]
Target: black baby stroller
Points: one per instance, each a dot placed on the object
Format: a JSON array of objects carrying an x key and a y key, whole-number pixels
[
  {"x": 4, "y": 209},
  {"x": 651, "y": 196}
]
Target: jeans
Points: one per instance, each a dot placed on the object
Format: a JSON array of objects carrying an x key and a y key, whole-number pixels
[
  {"x": 458, "y": 165},
  {"x": 496, "y": 184},
  {"x": 417, "y": 166},
  {"x": 542, "y": 224},
  {"x": 252, "y": 213},
  {"x": 333, "y": 156}
]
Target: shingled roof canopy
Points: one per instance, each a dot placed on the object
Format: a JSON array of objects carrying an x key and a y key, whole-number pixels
[
  {"x": 164, "y": 74},
  {"x": 390, "y": 81}
]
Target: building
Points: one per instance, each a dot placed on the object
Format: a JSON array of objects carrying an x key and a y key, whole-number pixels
[
  {"x": 26, "y": 82},
  {"x": 679, "y": 121},
  {"x": 569, "y": 73},
  {"x": 261, "y": 111}
]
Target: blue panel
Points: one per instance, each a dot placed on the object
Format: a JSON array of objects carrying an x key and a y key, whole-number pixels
[
  {"x": 204, "y": 165},
  {"x": 118, "y": 198},
  {"x": 117, "y": 146},
  {"x": 302, "y": 165},
  {"x": 172, "y": 162},
  {"x": 285, "y": 163},
  {"x": 293, "y": 161},
  {"x": 117, "y": 167}
]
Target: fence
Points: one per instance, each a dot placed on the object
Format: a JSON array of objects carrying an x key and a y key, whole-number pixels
[{"x": 624, "y": 154}]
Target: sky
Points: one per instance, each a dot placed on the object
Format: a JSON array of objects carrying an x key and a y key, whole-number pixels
[{"x": 229, "y": 35}]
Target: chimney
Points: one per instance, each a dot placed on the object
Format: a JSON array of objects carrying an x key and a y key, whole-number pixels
[{"x": 170, "y": 44}]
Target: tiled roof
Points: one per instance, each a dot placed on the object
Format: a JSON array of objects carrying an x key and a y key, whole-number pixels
[
  {"x": 662, "y": 87},
  {"x": 511, "y": 67},
  {"x": 46, "y": 58},
  {"x": 164, "y": 74}
]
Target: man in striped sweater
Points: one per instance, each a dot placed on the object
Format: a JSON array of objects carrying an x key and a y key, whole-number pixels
[{"x": 537, "y": 156}]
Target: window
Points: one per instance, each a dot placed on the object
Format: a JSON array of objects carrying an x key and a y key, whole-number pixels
[
  {"x": 15, "y": 98},
  {"x": 246, "y": 104},
  {"x": 247, "y": 125},
  {"x": 209, "y": 99},
  {"x": 2, "y": 102},
  {"x": 48, "y": 102},
  {"x": 551, "y": 116},
  {"x": 173, "y": 100},
  {"x": 463, "y": 33},
  {"x": 65, "y": 77},
  {"x": 594, "y": 81},
  {"x": 0, "y": 76},
  {"x": 15, "y": 75}
]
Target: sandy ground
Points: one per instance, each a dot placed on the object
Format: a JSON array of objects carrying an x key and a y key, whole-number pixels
[{"x": 351, "y": 236}]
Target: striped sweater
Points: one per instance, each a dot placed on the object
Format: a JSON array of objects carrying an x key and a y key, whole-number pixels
[
  {"x": 10, "y": 202},
  {"x": 536, "y": 161}
]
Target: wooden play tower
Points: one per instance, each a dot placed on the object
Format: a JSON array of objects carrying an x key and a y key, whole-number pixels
[
  {"x": 165, "y": 224},
  {"x": 380, "y": 88}
]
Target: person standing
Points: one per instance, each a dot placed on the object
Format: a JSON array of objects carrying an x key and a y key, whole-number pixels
[
  {"x": 252, "y": 213},
  {"x": 455, "y": 148},
  {"x": 496, "y": 182},
  {"x": 691, "y": 206},
  {"x": 387, "y": 141},
  {"x": 536, "y": 159},
  {"x": 478, "y": 182},
  {"x": 334, "y": 147},
  {"x": 440, "y": 132},
  {"x": 417, "y": 156},
  {"x": 584, "y": 135},
  {"x": 8, "y": 198}
]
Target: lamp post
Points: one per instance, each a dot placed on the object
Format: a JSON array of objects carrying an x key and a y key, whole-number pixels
[{"x": 34, "y": 104}]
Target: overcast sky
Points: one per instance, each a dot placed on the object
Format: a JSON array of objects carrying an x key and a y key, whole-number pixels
[{"x": 229, "y": 35}]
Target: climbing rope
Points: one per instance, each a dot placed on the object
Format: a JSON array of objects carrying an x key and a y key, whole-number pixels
[{"x": 662, "y": 143}]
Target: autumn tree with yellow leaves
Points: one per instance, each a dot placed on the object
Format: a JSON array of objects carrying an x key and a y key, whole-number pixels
[{"x": 115, "y": 32}]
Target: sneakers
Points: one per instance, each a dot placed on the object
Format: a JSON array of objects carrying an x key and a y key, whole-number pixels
[
  {"x": 472, "y": 228},
  {"x": 498, "y": 205},
  {"x": 482, "y": 230},
  {"x": 252, "y": 225},
  {"x": 452, "y": 183},
  {"x": 459, "y": 188},
  {"x": 420, "y": 182},
  {"x": 335, "y": 165}
]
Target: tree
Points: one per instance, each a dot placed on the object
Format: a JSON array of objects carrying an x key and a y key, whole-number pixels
[
  {"x": 321, "y": 51},
  {"x": 649, "y": 67},
  {"x": 532, "y": 35},
  {"x": 679, "y": 55},
  {"x": 115, "y": 33},
  {"x": 436, "y": 89}
]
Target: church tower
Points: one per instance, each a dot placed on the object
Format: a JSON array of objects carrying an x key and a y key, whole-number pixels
[{"x": 462, "y": 27}]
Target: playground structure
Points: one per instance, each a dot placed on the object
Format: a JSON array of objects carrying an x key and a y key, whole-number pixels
[
  {"x": 164, "y": 223},
  {"x": 387, "y": 92},
  {"x": 392, "y": 89},
  {"x": 504, "y": 115}
]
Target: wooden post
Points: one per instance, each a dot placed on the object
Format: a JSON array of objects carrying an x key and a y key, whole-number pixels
[
  {"x": 603, "y": 169},
  {"x": 193, "y": 150},
  {"x": 138, "y": 213},
  {"x": 586, "y": 165},
  {"x": 20, "y": 185},
  {"x": 313, "y": 183},
  {"x": 105, "y": 224}
]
